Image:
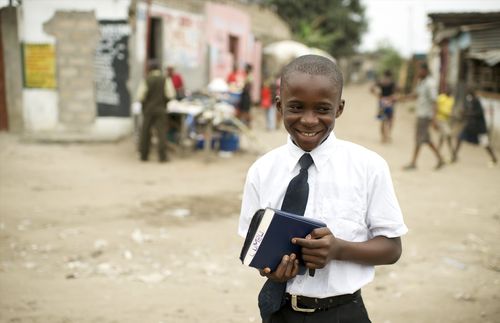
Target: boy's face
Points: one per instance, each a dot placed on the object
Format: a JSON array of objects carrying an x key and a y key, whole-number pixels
[
  {"x": 309, "y": 105},
  {"x": 423, "y": 72}
]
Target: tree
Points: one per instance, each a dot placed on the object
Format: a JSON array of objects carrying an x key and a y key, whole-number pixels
[
  {"x": 388, "y": 59},
  {"x": 335, "y": 26}
]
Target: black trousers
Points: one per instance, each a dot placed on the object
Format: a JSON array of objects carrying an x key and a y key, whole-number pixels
[
  {"x": 159, "y": 122},
  {"x": 353, "y": 312}
]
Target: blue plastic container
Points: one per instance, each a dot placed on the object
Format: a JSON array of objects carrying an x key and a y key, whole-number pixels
[{"x": 229, "y": 142}]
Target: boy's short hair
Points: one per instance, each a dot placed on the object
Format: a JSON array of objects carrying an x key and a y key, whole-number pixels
[{"x": 313, "y": 65}]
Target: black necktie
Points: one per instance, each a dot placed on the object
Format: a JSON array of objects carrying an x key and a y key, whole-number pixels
[
  {"x": 295, "y": 200},
  {"x": 297, "y": 192},
  {"x": 271, "y": 295}
]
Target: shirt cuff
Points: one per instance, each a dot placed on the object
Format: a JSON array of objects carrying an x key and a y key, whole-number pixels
[{"x": 390, "y": 232}]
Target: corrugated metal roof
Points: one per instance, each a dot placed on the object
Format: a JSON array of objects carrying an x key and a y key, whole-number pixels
[
  {"x": 464, "y": 18},
  {"x": 485, "y": 39},
  {"x": 490, "y": 57}
]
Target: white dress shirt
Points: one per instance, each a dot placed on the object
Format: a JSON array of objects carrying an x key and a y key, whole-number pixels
[{"x": 350, "y": 189}]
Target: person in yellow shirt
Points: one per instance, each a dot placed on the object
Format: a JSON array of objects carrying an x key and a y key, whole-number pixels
[{"x": 445, "y": 102}]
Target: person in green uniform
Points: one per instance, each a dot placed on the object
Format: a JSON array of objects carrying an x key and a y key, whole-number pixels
[{"x": 154, "y": 93}]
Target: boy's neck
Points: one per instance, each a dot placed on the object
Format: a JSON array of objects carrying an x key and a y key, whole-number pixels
[{"x": 308, "y": 151}]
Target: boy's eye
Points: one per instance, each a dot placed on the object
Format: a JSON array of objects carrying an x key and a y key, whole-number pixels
[
  {"x": 324, "y": 109},
  {"x": 294, "y": 108}
]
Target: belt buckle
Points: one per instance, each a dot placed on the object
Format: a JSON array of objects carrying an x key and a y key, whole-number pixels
[{"x": 300, "y": 309}]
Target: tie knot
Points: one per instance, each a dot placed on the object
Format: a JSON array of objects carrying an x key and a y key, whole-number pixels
[{"x": 305, "y": 161}]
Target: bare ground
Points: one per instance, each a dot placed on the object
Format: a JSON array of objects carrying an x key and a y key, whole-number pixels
[{"x": 89, "y": 234}]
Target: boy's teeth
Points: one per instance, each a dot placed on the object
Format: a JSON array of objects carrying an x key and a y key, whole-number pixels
[{"x": 308, "y": 134}]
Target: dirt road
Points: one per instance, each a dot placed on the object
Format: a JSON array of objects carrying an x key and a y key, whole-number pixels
[{"x": 89, "y": 234}]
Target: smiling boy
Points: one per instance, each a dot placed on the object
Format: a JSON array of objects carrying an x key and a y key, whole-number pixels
[{"x": 350, "y": 189}]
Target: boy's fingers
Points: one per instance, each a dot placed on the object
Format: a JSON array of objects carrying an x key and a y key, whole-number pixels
[
  {"x": 314, "y": 235},
  {"x": 317, "y": 252},
  {"x": 306, "y": 243},
  {"x": 280, "y": 271},
  {"x": 289, "y": 268},
  {"x": 266, "y": 271},
  {"x": 313, "y": 260},
  {"x": 320, "y": 233}
]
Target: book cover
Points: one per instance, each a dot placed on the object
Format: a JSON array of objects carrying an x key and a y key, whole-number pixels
[{"x": 269, "y": 237}]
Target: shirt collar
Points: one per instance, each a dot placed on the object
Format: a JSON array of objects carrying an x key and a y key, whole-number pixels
[{"x": 320, "y": 154}]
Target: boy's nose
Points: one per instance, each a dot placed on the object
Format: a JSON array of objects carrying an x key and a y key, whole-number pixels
[{"x": 309, "y": 117}]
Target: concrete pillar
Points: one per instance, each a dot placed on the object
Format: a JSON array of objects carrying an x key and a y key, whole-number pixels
[
  {"x": 77, "y": 34},
  {"x": 12, "y": 68}
]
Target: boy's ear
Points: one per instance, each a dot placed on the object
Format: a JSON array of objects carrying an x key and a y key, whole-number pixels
[
  {"x": 340, "y": 109},
  {"x": 278, "y": 104}
]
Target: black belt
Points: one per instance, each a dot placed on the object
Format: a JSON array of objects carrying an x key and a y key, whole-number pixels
[{"x": 312, "y": 304}]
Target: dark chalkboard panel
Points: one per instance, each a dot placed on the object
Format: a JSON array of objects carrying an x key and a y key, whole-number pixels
[{"x": 112, "y": 70}]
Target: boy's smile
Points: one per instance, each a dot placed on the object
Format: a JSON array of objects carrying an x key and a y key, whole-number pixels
[{"x": 309, "y": 105}]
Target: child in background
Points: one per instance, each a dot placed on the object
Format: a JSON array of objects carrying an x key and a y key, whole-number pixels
[
  {"x": 474, "y": 130},
  {"x": 385, "y": 89},
  {"x": 444, "y": 104}
]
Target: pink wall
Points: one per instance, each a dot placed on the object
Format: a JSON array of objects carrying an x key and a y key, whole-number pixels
[
  {"x": 257, "y": 66},
  {"x": 221, "y": 22},
  {"x": 184, "y": 44}
]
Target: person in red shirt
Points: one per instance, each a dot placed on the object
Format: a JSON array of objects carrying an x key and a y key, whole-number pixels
[
  {"x": 177, "y": 82},
  {"x": 266, "y": 102},
  {"x": 235, "y": 81}
]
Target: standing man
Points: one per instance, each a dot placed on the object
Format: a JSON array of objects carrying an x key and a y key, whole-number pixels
[
  {"x": 246, "y": 97},
  {"x": 426, "y": 95},
  {"x": 154, "y": 93}
]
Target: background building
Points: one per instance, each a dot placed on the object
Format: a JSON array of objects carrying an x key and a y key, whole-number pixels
[
  {"x": 69, "y": 70},
  {"x": 466, "y": 52}
]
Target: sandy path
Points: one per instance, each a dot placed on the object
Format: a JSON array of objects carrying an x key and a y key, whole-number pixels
[{"x": 89, "y": 234}]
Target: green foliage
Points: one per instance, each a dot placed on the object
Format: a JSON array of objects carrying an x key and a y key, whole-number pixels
[
  {"x": 335, "y": 26},
  {"x": 388, "y": 59}
]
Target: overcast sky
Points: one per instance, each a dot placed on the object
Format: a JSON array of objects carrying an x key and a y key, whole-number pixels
[{"x": 404, "y": 22}]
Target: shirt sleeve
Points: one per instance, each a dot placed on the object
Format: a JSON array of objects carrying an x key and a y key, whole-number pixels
[
  {"x": 384, "y": 216},
  {"x": 141, "y": 91},
  {"x": 432, "y": 88},
  {"x": 169, "y": 89},
  {"x": 250, "y": 201}
]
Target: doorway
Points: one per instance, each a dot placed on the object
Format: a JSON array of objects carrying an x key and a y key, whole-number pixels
[
  {"x": 155, "y": 40},
  {"x": 234, "y": 43}
]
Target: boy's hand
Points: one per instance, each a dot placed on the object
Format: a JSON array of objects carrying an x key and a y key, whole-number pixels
[
  {"x": 318, "y": 248},
  {"x": 287, "y": 269}
]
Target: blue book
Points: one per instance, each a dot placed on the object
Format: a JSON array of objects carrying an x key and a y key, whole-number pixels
[{"x": 269, "y": 237}]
